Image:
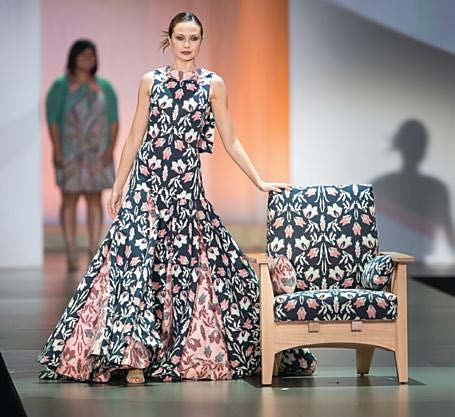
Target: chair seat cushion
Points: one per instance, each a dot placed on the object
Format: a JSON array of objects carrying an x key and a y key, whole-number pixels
[{"x": 336, "y": 304}]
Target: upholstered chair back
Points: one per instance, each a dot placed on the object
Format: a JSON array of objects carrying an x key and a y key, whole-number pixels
[{"x": 327, "y": 232}]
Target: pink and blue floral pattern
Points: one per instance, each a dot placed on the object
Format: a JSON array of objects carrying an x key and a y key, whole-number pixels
[
  {"x": 282, "y": 275},
  {"x": 336, "y": 304},
  {"x": 327, "y": 232}
]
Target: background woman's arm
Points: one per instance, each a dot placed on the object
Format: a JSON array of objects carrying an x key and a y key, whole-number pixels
[
  {"x": 54, "y": 111},
  {"x": 57, "y": 156},
  {"x": 231, "y": 142},
  {"x": 112, "y": 115}
]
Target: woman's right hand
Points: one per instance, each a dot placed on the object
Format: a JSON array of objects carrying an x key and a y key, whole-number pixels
[
  {"x": 57, "y": 159},
  {"x": 114, "y": 202}
]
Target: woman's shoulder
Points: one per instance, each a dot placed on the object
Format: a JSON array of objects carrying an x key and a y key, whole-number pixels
[
  {"x": 207, "y": 72},
  {"x": 215, "y": 78},
  {"x": 60, "y": 81}
]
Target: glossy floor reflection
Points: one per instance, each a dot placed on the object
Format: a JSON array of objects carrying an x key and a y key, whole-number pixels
[{"x": 32, "y": 300}]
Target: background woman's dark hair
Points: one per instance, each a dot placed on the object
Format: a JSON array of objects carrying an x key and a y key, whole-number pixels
[
  {"x": 76, "y": 48},
  {"x": 178, "y": 18}
]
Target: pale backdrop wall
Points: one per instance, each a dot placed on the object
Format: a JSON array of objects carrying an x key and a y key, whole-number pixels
[
  {"x": 20, "y": 156},
  {"x": 353, "y": 84}
]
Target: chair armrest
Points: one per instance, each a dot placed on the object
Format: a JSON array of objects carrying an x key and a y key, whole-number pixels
[
  {"x": 400, "y": 276},
  {"x": 266, "y": 297},
  {"x": 400, "y": 258},
  {"x": 257, "y": 257}
]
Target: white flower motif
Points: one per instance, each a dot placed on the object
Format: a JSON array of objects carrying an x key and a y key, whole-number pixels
[
  {"x": 141, "y": 243},
  {"x": 309, "y": 211},
  {"x": 344, "y": 241},
  {"x": 336, "y": 273},
  {"x": 334, "y": 210},
  {"x": 189, "y": 105},
  {"x": 185, "y": 195},
  {"x": 302, "y": 243},
  {"x": 180, "y": 240},
  {"x": 213, "y": 253},
  {"x": 154, "y": 162},
  {"x": 191, "y": 136},
  {"x": 154, "y": 130},
  {"x": 178, "y": 166},
  {"x": 276, "y": 244},
  {"x": 245, "y": 303},
  {"x": 311, "y": 274},
  {"x": 369, "y": 241},
  {"x": 165, "y": 102}
]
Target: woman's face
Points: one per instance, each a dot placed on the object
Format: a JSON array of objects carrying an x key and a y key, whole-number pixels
[
  {"x": 86, "y": 60},
  {"x": 186, "y": 40}
]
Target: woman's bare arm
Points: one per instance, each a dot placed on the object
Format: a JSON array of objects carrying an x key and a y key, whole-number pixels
[
  {"x": 231, "y": 142},
  {"x": 136, "y": 133}
]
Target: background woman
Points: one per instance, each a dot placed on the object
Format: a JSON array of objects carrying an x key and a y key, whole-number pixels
[{"x": 81, "y": 110}]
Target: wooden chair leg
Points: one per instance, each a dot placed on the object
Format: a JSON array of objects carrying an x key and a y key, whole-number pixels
[
  {"x": 401, "y": 352},
  {"x": 267, "y": 317},
  {"x": 267, "y": 361},
  {"x": 364, "y": 356},
  {"x": 402, "y": 367},
  {"x": 276, "y": 365}
]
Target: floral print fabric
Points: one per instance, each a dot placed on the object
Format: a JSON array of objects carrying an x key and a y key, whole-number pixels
[
  {"x": 377, "y": 274},
  {"x": 336, "y": 304},
  {"x": 327, "y": 232},
  {"x": 282, "y": 275},
  {"x": 168, "y": 290}
]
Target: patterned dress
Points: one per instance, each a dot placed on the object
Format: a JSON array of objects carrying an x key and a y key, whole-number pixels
[
  {"x": 168, "y": 290},
  {"x": 84, "y": 113}
]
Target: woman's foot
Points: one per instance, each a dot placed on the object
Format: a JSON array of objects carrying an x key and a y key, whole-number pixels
[{"x": 135, "y": 376}]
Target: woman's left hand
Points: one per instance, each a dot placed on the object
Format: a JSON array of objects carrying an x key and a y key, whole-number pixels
[{"x": 273, "y": 186}]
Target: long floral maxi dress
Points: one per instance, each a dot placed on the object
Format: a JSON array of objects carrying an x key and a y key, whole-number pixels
[{"x": 169, "y": 290}]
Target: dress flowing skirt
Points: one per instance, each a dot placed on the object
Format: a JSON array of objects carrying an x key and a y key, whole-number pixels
[{"x": 168, "y": 291}]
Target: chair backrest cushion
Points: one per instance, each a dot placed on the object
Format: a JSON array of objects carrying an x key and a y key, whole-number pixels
[{"x": 328, "y": 232}]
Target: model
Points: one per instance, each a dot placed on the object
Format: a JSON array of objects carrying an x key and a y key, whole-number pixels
[{"x": 169, "y": 293}]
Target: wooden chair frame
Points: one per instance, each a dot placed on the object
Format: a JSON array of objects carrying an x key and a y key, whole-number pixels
[{"x": 364, "y": 335}]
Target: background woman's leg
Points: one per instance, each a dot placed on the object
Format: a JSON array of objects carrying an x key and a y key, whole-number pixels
[{"x": 68, "y": 222}]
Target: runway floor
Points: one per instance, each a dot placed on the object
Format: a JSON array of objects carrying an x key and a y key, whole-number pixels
[{"x": 31, "y": 301}]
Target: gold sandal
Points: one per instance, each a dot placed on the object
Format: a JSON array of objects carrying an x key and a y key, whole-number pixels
[{"x": 135, "y": 377}]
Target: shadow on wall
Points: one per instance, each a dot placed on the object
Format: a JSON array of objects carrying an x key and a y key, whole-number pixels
[{"x": 413, "y": 209}]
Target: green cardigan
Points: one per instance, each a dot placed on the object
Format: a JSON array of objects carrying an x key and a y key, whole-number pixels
[{"x": 55, "y": 100}]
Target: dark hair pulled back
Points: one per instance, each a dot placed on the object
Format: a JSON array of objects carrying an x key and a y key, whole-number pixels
[{"x": 179, "y": 18}]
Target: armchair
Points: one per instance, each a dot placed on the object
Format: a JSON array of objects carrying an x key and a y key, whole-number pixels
[{"x": 329, "y": 235}]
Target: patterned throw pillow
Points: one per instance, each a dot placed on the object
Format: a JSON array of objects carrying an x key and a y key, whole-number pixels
[
  {"x": 377, "y": 273},
  {"x": 282, "y": 274}
]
